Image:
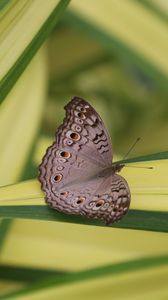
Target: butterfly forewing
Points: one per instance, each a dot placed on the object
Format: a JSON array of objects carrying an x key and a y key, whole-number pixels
[{"x": 83, "y": 131}]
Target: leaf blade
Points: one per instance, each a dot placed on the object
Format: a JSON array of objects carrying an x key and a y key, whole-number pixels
[
  {"x": 112, "y": 270},
  {"x": 140, "y": 220},
  {"x": 9, "y": 77}
]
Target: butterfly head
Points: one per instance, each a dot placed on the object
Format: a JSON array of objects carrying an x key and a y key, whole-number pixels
[{"x": 117, "y": 167}]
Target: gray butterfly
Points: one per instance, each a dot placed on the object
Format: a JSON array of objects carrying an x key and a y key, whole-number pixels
[{"x": 77, "y": 174}]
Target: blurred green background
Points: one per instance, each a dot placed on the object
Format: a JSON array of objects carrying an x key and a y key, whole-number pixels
[{"x": 131, "y": 103}]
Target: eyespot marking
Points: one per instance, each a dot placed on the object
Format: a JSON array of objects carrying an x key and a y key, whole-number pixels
[
  {"x": 60, "y": 168},
  {"x": 81, "y": 108},
  {"x": 99, "y": 203},
  {"x": 78, "y": 121},
  {"x": 76, "y": 127},
  {"x": 75, "y": 136},
  {"x": 65, "y": 154},
  {"x": 57, "y": 177},
  {"x": 80, "y": 200},
  {"x": 69, "y": 142},
  {"x": 61, "y": 160},
  {"x": 64, "y": 193},
  {"x": 81, "y": 115}
]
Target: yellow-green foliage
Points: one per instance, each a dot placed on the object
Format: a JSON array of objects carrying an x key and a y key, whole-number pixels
[{"x": 113, "y": 53}]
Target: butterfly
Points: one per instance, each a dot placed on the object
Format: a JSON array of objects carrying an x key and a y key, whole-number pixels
[{"x": 77, "y": 174}]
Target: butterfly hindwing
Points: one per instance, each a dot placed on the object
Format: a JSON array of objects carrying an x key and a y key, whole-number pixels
[
  {"x": 63, "y": 168},
  {"x": 103, "y": 198}
]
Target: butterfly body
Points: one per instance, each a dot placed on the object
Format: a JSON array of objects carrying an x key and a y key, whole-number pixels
[{"x": 77, "y": 174}]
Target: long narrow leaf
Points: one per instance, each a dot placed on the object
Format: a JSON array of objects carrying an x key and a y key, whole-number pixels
[
  {"x": 149, "y": 200},
  {"x": 111, "y": 271},
  {"x": 15, "y": 56},
  {"x": 141, "y": 220},
  {"x": 27, "y": 274},
  {"x": 4, "y": 227},
  {"x": 17, "y": 132}
]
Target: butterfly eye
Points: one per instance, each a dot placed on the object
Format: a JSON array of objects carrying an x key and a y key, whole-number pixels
[
  {"x": 65, "y": 154},
  {"x": 57, "y": 177},
  {"x": 75, "y": 136},
  {"x": 99, "y": 203}
]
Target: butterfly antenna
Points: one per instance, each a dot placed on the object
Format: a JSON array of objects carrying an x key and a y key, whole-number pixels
[
  {"x": 130, "y": 149},
  {"x": 126, "y": 155},
  {"x": 150, "y": 168}
]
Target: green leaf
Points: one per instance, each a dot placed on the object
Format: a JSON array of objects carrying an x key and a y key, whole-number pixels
[
  {"x": 5, "y": 225},
  {"x": 4, "y": 3},
  {"x": 158, "y": 7},
  {"x": 17, "y": 133},
  {"x": 149, "y": 157},
  {"x": 149, "y": 200},
  {"x": 111, "y": 271},
  {"x": 141, "y": 220},
  {"x": 29, "y": 275},
  {"x": 15, "y": 60}
]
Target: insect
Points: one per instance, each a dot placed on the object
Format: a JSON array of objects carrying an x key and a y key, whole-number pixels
[{"x": 77, "y": 174}]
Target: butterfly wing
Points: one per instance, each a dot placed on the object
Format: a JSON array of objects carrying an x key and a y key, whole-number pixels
[
  {"x": 83, "y": 131},
  {"x": 62, "y": 168},
  {"x": 100, "y": 198},
  {"x": 81, "y": 150},
  {"x": 109, "y": 201},
  {"x": 70, "y": 170}
]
